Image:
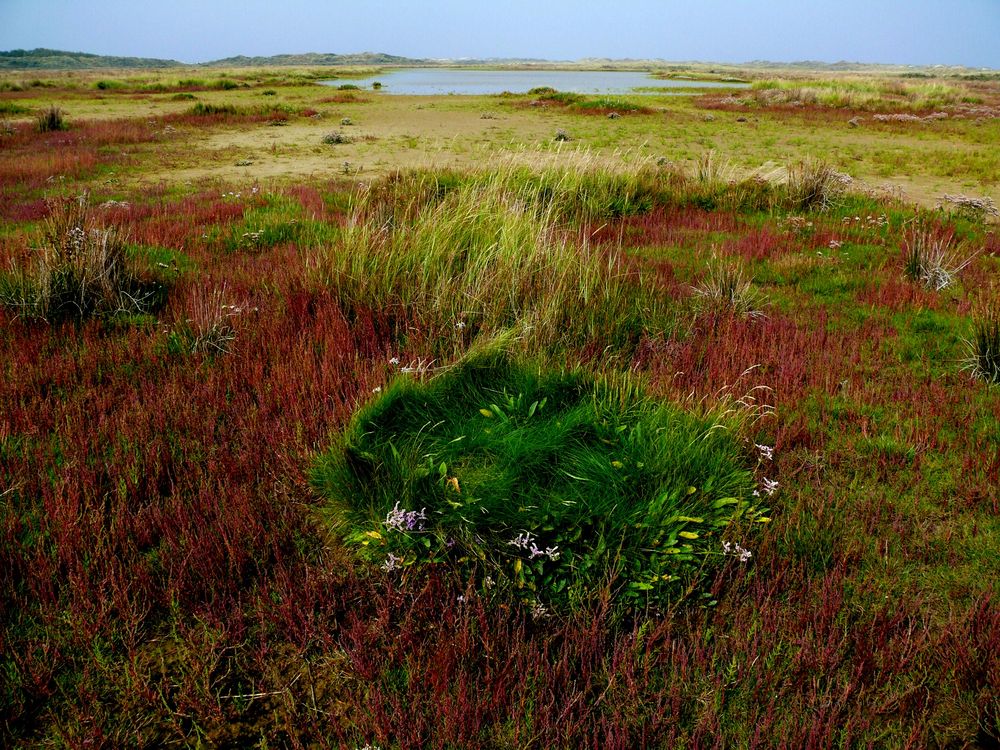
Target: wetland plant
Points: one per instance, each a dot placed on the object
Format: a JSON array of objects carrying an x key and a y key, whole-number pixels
[
  {"x": 333, "y": 139},
  {"x": 51, "y": 120},
  {"x": 813, "y": 185},
  {"x": 81, "y": 269},
  {"x": 983, "y": 349},
  {"x": 547, "y": 483},
  {"x": 929, "y": 259},
  {"x": 490, "y": 253},
  {"x": 727, "y": 288},
  {"x": 209, "y": 326}
]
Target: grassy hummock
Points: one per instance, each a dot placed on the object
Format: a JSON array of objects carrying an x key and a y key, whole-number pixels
[{"x": 552, "y": 483}]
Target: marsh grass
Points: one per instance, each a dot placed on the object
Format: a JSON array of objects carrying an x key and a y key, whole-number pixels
[
  {"x": 929, "y": 259},
  {"x": 51, "y": 120},
  {"x": 209, "y": 326},
  {"x": 549, "y": 483},
  {"x": 815, "y": 185},
  {"x": 983, "y": 349},
  {"x": 873, "y": 94},
  {"x": 81, "y": 269},
  {"x": 487, "y": 255},
  {"x": 727, "y": 289}
]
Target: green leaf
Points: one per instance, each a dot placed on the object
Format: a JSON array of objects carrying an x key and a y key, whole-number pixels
[{"x": 724, "y": 502}]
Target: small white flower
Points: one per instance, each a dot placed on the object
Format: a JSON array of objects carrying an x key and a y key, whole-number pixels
[
  {"x": 737, "y": 551},
  {"x": 770, "y": 486},
  {"x": 394, "y": 361},
  {"x": 392, "y": 562},
  {"x": 766, "y": 451}
]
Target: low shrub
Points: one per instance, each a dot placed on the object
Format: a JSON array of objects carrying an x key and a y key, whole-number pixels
[
  {"x": 972, "y": 208},
  {"x": 545, "y": 484},
  {"x": 12, "y": 108},
  {"x": 201, "y": 109},
  {"x": 333, "y": 139}
]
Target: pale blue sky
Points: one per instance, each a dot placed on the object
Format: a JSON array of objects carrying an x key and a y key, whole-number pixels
[{"x": 954, "y": 32}]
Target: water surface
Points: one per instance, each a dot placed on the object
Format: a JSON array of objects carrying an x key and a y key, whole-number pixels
[{"x": 456, "y": 81}]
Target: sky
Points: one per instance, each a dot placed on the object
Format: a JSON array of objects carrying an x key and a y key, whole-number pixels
[{"x": 917, "y": 32}]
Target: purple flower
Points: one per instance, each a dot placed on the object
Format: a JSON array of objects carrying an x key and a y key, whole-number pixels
[{"x": 400, "y": 519}]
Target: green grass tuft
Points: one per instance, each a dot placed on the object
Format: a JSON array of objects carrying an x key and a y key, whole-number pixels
[
  {"x": 983, "y": 359},
  {"x": 82, "y": 269},
  {"x": 550, "y": 483},
  {"x": 485, "y": 256},
  {"x": 51, "y": 120}
]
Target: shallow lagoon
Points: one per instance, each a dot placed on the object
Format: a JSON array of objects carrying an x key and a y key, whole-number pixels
[{"x": 457, "y": 81}]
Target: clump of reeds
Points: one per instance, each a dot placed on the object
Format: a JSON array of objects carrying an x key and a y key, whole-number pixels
[
  {"x": 51, "y": 120},
  {"x": 727, "y": 288},
  {"x": 814, "y": 184},
  {"x": 209, "y": 325},
  {"x": 983, "y": 349},
  {"x": 711, "y": 169},
  {"x": 488, "y": 254},
  {"x": 930, "y": 260},
  {"x": 81, "y": 269}
]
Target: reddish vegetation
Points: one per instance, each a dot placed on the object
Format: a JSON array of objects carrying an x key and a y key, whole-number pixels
[
  {"x": 899, "y": 294},
  {"x": 345, "y": 98},
  {"x": 164, "y": 577},
  {"x": 668, "y": 226}
]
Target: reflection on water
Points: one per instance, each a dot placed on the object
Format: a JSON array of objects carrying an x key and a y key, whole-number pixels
[{"x": 453, "y": 81}]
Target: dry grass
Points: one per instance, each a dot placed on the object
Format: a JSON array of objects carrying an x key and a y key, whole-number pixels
[{"x": 929, "y": 259}]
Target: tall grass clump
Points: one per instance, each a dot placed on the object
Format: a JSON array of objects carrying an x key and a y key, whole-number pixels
[
  {"x": 983, "y": 349},
  {"x": 872, "y": 94},
  {"x": 209, "y": 326},
  {"x": 545, "y": 484},
  {"x": 929, "y": 259},
  {"x": 814, "y": 185},
  {"x": 485, "y": 256},
  {"x": 51, "y": 120},
  {"x": 728, "y": 289},
  {"x": 81, "y": 269}
]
